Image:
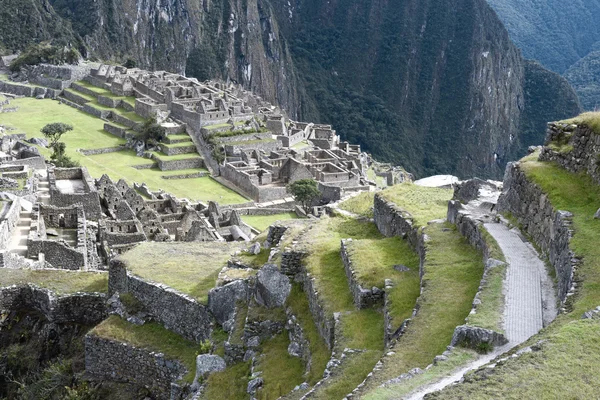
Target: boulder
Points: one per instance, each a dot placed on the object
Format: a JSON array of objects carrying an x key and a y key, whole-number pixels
[
  {"x": 207, "y": 364},
  {"x": 222, "y": 300},
  {"x": 401, "y": 268},
  {"x": 254, "y": 249},
  {"x": 272, "y": 287},
  {"x": 254, "y": 385},
  {"x": 472, "y": 336}
]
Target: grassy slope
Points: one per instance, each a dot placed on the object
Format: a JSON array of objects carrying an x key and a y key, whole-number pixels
[
  {"x": 452, "y": 274},
  {"x": 566, "y": 367},
  {"x": 191, "y": 268},
  {"x": 61, "y": 282},
  {"x": 423, "y": 203},
  {"x": 151, "y": 336},
  {"x": 262, "y": 222},
  {"x": 88, "y": 133},
  {"x": 361, "y": 204}
]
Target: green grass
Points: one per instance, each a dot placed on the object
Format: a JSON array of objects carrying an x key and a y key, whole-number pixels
[
  {"x": 453, "y": 271},
  {"x": 490, "y": 311},
  {"x": 89, "y": 133},
  {"x": 191, "y": 268},
  {"x": 229, "y": 384},
  {"x": 373, "y": 259},
  {"x": 423, "y": 203},
  {"x": 360, "y": 330},
  {"x": 325, "y": 263},
  {"x": 566, "y": 367},
  {"x": 180, "y": 144},
  {"x": 458, "y": 358},
  {"x": 591, "y": 119},
  {"x": 154, "y": 337},
  {"x": 320, "y": 354},
  {"x": 361, "y": 205},
  {"x": 178, "y": 157},
  {"x": 61, "y": 282},
  {"x": 83, "y": 95},
  {"x": 262, "y": 222},
  {"x": 280, "y": 371},
  {"x": 249, "y": 142}
]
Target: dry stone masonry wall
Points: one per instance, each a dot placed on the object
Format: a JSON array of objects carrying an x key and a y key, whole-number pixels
[{"x": 550, "y": 229}]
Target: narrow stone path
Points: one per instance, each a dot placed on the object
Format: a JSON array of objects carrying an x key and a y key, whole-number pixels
[{"x": 523, "y": 288}]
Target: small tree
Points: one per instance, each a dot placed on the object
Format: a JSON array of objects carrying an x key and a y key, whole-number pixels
[
  {"x": 53, "y": 132},
  {"x": 151, "y": 132},
  {"x": 304, "y": 192}
]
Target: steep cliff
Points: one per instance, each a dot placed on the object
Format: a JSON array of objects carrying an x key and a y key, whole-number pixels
[{"x": 434, "y": 87}]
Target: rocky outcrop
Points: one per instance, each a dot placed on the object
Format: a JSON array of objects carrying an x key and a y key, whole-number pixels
[
  {"x": 272, "y": 287},
  {"x": 550, "y": 229},
  {"x": 222, "y": 300},
  {"x": 471, "y": 336}
]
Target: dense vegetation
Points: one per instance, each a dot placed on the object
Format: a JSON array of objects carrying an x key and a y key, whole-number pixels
[
  {"x": 583, "y": 75},
  {"x": 557, "y": 33}
]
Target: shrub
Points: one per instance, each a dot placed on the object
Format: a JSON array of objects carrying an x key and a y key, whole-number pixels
[{"x": 304, "y": 192}]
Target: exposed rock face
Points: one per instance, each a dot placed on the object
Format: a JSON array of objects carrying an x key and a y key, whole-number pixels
[
  {"x": 473, "y": 336},
  {"x": 222, "y": 300},
  {"x": 208, "y": 363},
  {"x": 272, "y": 287}
]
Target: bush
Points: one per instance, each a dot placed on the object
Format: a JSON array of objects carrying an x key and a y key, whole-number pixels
[
  {"x": 304, "y": 192},
  {"x": 151, "y": 132}
]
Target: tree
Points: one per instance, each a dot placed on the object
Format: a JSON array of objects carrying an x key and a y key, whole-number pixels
[
  {"x": 53, "y": 132},
  {"x": 151, "y": 132},
  {"x": 304, "y": 192}
]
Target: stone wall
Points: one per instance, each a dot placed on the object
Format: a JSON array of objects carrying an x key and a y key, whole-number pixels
[
  {"x": 81, "y": 308},
  {"x": 115, "y": 130},
  {"x": 108, "y": 360},
  {"x": 176, "y": 150},
  {"x": 550, "y": 229},
  {"x": 9, "y": 221},
  {"x": 28, "y": 91},
  {"x": 96, "y": 112},
  {"x": 172, "y": 165},
  {"x": 90, "y": 199},
  {"x": 578, "y": 151},
  {"x": 363, "y": 298},
  {"x": 104, "y": 150},
  {"x": 391, "y": 220},
  {"x": 176, "y": 311}
]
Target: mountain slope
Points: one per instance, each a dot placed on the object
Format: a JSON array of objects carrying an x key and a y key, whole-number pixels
[
  {"x": 557, "y": 33},
  {"x": 436, "y": 88}
]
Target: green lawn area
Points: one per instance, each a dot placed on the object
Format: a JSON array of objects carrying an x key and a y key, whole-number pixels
[
  {"x": 154, "y": 337},
  {"x": 191, "y": 268},
  {"x": 281, "y": 372},
  {"x": 453, "y": 271},
  {"x": 229, "y": 384},
  {"x": 89, "y": 133},
  {"x": 61, "y": 282},
  {"x": 373, "y": 261},
  {"x": 164, "y": 157},
  {"x": 361, "y": 205},
  {"x": 423, "y": 203},
  {"x": 262, "y": 222}
]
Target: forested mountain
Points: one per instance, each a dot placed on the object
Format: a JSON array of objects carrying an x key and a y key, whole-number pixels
[
  {"x": 436, "y": 87},
  {"x": 560, "y": 34}
]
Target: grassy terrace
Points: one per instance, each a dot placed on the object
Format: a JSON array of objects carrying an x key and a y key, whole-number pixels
[
  {"x": 373, "y": 261},
  {"x": 423, "y": 203},
  {"x": 61, "y": 282},
  {"x": 262, "y": 222},
  {"x": 361, "y": 205},
  {"x": 361, "y": 329},
  {"x": 453, "y": 271},
  {"x": 191, "y": 268},
  {"x": 89, "y": 133},
  {"x": 591, "y": 119},
  {"x": 154, "y": 337},
  {"x": 567, "y": 364}
]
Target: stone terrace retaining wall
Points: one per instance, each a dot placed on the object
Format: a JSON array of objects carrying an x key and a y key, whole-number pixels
[
  {"x": 363, "y": 298},
  {"x": 172, "y": 165},
  {"x": 471, "y": 229},
  {"x": 176, "y": 311},
  {"x": 549, "y": 228},
  {"x": 391, "y": 220},
  {"x": 585, "y": 155},
  {"x": 115, "y": 361},
  {"x": 7, "y": 225},
  {"x": 28, "y": 91},
  {"x": 81, "y": 308}
]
